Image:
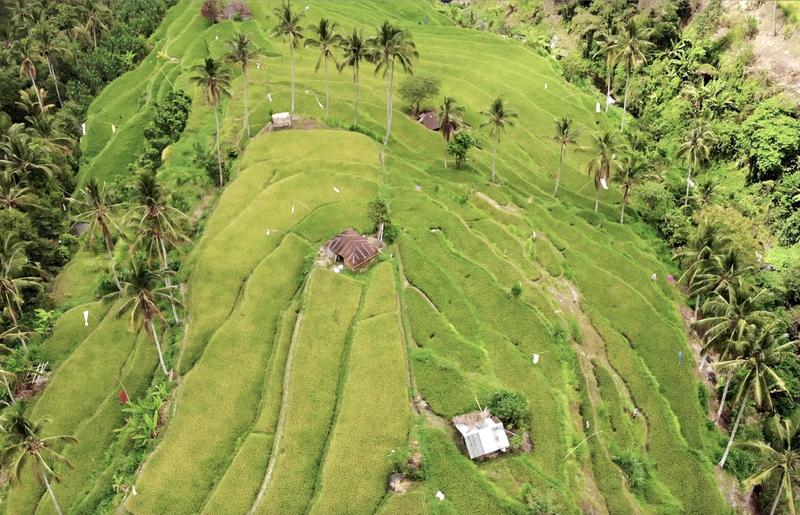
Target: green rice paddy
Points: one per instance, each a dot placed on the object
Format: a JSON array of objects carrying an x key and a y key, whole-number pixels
[{"x": 296, "y": 383}]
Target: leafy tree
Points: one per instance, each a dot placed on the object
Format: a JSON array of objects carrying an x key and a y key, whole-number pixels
[
  {"x": 16, "y": 197},
  {"x": 140, "y": 296},
  {"x": 451, "y": 119},
  {"x": 215, "y": 80},
  {"x": 326, "y": 39},
  {"x": 242, "y": 52},
  {"x": 604, "y": 146},
  {"x": 633, "y": 170},
  {"x": 392, "y": 45},
  {"x": 381, "y": 217},
  {"x": 23, "y": 442},
  {"x": 288, "y": 27},
  {"x": 459, "y": 146},
  {"x": 510, "y": 407},
  {"x": 781, "y": 460},
  {"x": 497, "y": 118},
  {"x": 355, "y": 50},
  {"x": 14, "y": 275},
  {"x": 565, "y": 134},
  {"x": 695, "y": 150},
  {"x": 210, "y": 10},
  {"x": 771, "y": 140},
  {"x": 630, "y": 48},
  {"x": 762, "y": 349},
  {"x": 785, "y": 212},
  {"x": 417, "y": 88},
  {"x": 93, "y": 207}
]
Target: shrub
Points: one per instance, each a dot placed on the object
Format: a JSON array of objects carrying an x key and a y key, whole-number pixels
[
  {"x": 516, "y": 290},
  {"x": 510, "y": 407},
  {"x": 633, "y": 466},
  {"x": 408, "y": 462},
  {"x": 207, "y": 160},
  {"x": 785, "y": 214},
  {"x": 210, "y": 10},
  {"x": 459, "y": 146},
  {"x": 771, "y": 140}
]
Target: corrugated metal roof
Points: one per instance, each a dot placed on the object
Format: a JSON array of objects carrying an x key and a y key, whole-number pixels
[
  {"x": 483, "y": 433},
  {"x": 355, "y": 250}
]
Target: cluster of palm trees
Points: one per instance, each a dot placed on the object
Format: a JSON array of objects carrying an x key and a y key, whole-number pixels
[
  {"x": 749, "y": 342},
  {"x": 391, "y": 46}
]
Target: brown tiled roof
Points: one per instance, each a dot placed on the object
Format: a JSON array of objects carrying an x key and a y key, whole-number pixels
[{"x": 355, "y": 250}]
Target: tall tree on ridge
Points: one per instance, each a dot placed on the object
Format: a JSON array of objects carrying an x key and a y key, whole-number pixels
[
  {"x": 451, "y": 119},
  {"x": 695, "y": 150},
  {"x": 355, "y": 50},
  {"x": 633, "y": 170},
  {"x": 242, "y": 51},
  {"x": 27, "y": 67},
  {"x": 215, "y": 80},
  {"x": 565, "y": 134},
  {"x": 95, "y": 209},
  {"x": 497, "y": 118},
  {"x": 603, "y": 146},
  {"x": 289, "y": 27},
  {"x": 49, "y": 44},
  {"x": 326, "y": 40},
  {"x": 629, "y": 48},
  {"x": 392, "y": 45}
]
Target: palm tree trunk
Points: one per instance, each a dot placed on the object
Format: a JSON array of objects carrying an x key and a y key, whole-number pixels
[
  {"x": 608, "y": 88},
  {"x": 355, "y": 79},
  {"x": 55, "y": 81},
  {"x": 158, "y": 346},
  {"x": 494, "y": 158},
  {"x": 790, "y": 495},
  {"x": 596, "y": 198},
  {"x": 389, "y": 104},
  {"x": 246, "y": 110},
  {"x": 51, "y": 492},
  {"x": 38, "y": 94},
  {"x": 624, "y": 203},
  {"x": 774, "y": 8},
  {"x": 167, "y": 279},
  {"x": 558, "y": 172},
  {"x": 110, "y": 250},
  {"x": 327, "y": 91},
  {"x": 742, "y": 407},
  {"x": 445, "y": 153},
  {"x": 219, "y": 155},
  {"x": 688, "y": 181},
  {"x": 291, "y": 56},
  {"x": 724, "y": 396},
  {"x": 625, "y": 102}
]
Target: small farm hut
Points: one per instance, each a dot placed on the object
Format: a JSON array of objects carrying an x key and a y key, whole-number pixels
[
  {"x": 430, "y": 120},
  {"x": 354, "y": 250},
  {"x": 483, "y": 434},
  {"x": 281, "y": 120}
]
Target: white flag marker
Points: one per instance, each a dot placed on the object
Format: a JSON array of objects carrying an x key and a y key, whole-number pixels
[
  {"x": 545, "y": 85},
  {"x": 86, "y": 318},
  {"x": 113, "y": 129},
  {"x": 440, "y": 495},
  {"x": 535, "y": 359},
  {"x": 269, "y": 96},
  {"x": 83, "y": 128},
  {"x": 690, "y": 183},
  {"x": 597, "y": 107},
  {"x": 292, "y": 209},
  {"x": 336, "y": 189}
]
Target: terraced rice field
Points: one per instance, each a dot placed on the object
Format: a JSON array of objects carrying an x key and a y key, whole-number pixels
[{"x": 297, "y": 383}]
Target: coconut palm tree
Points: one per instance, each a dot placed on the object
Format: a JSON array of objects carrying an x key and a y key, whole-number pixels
[
  {"x": 729, "y": 313},
  {"x": 23, "y": 442},
  {"x": 155, "y": 224},
  {"x": 565, "y": 134},
  {"x": 23, "y": 158},
  {"x": 451, "y": 119},
  {"x": 242, "y": 51},
  {"x": 141, "y": 293},
  {"x": 14, "y": 275},
  {"x": 696, "y": 257},
  {"x": 629, "y": 48},
  {"x": 215, "y": 80},
  {"x": 390, "y": 46},
  {"x": 695, "y": 150},
  {"x": 781, "y": 459},
  {"x": 723, "y": 272},
  {"x": 607, "y": 40},
  {"x": 763, "y": 347},
  {"x": 497, "y": 118},
  {"x": 327, "y": 40},
  {"x": 603, "y": 148},
  {"x": 289, "y": 27},
  {"x": 27, "y": 66},
  {"x": 633, "y": 170},
  {"x": 50, "y": 130},
  {"x": 49, "y": 44},
  {"x": 94, "y": 208},
  {"x": 16, "y": 197},
  {"x": 355, "y": 51}
]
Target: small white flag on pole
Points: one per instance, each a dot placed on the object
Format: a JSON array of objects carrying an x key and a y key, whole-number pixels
[
  {"x": 690, "y": 183},
  {"x": 336, "y": 189},
  {"x": 258, "y": 65},
  {"x": 292, "y": 208},
  {"x": 86, "y": 318},
  {"x": 269, "y": 96},
  {"x": 603, "y": 183},
  {"x": 597, "y": 107},
  {"x": 545, "y": 85},
  {"x": 319, "y": 103},
  {"x": 440, "y": 495},
  {"x": 113, "y": 129},
  {"x": 83, "y": 128},
  {"x": 535, "y": 359}
]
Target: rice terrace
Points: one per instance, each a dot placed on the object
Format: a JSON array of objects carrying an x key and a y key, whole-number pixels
[{"x": 398, "y": 257}]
